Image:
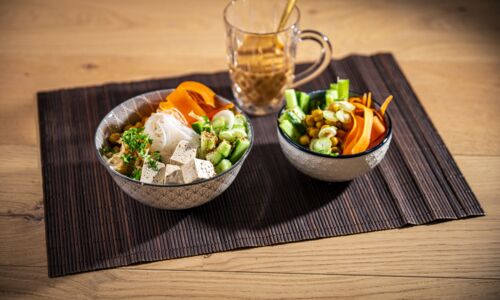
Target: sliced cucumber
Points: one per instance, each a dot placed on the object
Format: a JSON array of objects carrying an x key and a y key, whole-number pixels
[
  {"x": 241, "y": 120},
  {"x": 291, "y": 98},
  {"x": 208, "y": 141},
  {"x": 214, "y": 157},
  {"x": 289, "y": 129},
  {"x": 299, "y": 113},
  {"x": 223, "y": 166},
  {"x": 296, "y": 122},
  {"x": 303, "y": 101},
  {"x": 293, "y": 118},
  {"x": 202, "y": 123},
  {"x": 227, "y": 135},
  {"x": 197, "y": 126},
  {"x": 224, "y": 148},
  {"x": 240, "y": 131},
  {"x": 218, "y": 124},
  {"x": 240, "y": 147}
]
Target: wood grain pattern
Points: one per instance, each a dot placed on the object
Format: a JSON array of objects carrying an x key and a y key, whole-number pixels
[
  {"x": 31, "y": 282},
  {"x": 52, "y": 44},
  {"x": 125, "y": 283}
]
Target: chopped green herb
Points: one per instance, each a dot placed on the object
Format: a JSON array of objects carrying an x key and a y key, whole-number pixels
[
  {"x": 136, "y": 174},
  {"x": 153, "y": 164},
  {"x": 127, "y": 158},
  {"x": 156, "y": 155},
  {"x": 136, "y": 140}
]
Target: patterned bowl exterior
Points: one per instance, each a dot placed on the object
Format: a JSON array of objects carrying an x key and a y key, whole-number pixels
[
  {"x": 332, "y": 169},
  {"x": 329, "y": 168},
  {"x": 178, "y": 196}
]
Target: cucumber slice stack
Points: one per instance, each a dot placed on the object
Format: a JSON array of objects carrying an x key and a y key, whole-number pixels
[{"x": 224, "y": 140}]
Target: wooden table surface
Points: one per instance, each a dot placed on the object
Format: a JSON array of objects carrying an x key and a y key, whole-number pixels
[{"x": 449, "y": 51}]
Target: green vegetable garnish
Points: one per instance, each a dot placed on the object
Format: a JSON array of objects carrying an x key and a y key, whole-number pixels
[
  {"x": 136, "y": 140},
  {"x": 153, "y": 164},
  {"x": 343, "y": 88},
  {"x": 303, "y": 101},
  {"x": 127, "y": 158},
  {"x": 137, "y": 143},
  {"x": 136, "y": 174},
  {"x": 291, "y": 98}
]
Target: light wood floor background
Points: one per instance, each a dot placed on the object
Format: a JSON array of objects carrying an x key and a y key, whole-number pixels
[{"x": 449, "y": 51}]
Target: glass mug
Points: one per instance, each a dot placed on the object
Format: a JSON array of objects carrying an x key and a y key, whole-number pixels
[{"x": 261, "y": 58}]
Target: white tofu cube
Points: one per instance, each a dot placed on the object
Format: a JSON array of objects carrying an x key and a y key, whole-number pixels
[
  {"x": 197, "y": 169},
  {"x": 149, "y": 174},
  {"x": 183, "y": 153},
  {"x": 169, "y": 174}
]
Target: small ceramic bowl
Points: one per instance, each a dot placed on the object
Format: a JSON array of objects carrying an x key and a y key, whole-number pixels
[
  {"x": 330, "y": 168},
  {"x": 175, "y": 196}
]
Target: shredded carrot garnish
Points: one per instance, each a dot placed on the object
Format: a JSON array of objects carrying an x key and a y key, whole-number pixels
[
  {"x": 356, "y": 133},
  {"x": 378, "y": 129},
  {"x": 385, "y": 104},
  {"x": 368, "y": 128},
  {"x": 191, "y": 96},
  {"x": 205, "y": 93},
  {"x": 364, "y": 138}
]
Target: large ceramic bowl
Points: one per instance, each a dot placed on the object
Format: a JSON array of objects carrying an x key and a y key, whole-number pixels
[
  {"x": 175, "y": 196},
  {"x": 330, "y": 168}
]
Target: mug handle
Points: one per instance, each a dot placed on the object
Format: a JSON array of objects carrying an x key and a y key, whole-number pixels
[{"x": 323, "y": 61}]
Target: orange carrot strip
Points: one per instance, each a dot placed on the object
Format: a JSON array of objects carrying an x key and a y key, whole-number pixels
[
  {"x": 354, "y": 135},
  {"x": 204, "y": 91},
  {"x": 385, "y": 104},
  {"x": 164, "y": 105},
  {"x": 369, "y": 100},
  {"x": 375, "y": 112},
  {"x": 181, "y": 100},
  {"x": 376, "y": 142},
  {"x": 355, "y": 99},
  {"x": 378, "y": 129},
  {"x": 364, "y": 140},
  {"x": 364, "y": 99}
]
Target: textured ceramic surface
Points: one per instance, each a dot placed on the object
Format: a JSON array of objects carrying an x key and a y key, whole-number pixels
[
  {"x": 329, "y": 168},
  {"x": 179, "y": 196}
]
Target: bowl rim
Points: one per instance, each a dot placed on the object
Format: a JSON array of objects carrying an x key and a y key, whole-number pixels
[
  {"x": 176, "y": 185},
  {"x": 386, "y": 138}
]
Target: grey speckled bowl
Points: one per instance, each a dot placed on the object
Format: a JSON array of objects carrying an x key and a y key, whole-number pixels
[
  {"x": 329, "y": 168},
  {"x": 179, "y": 196}
]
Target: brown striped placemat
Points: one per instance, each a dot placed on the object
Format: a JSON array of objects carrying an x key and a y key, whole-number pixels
[{"x": 94, "y": 226}]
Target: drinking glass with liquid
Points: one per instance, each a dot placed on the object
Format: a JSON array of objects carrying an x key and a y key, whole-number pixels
[{"x": 261, "y": 57}]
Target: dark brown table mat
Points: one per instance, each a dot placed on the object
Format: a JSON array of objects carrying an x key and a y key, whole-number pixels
[{"x": 91, "y": 224}]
